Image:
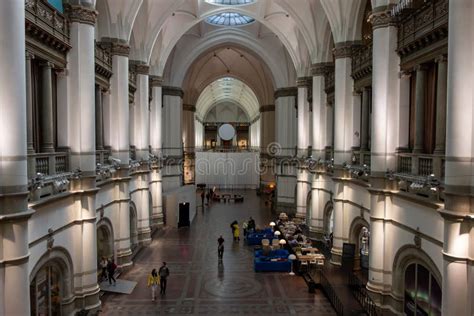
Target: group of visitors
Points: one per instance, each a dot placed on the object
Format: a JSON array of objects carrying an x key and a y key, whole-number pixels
[
  {"x": 158, "y": 278},
  {"x": 108, "y": 267},
  {"x": 208, "y": 196}
]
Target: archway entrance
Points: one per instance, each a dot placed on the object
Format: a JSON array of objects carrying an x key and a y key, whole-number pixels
[
  {"x": 422, "y": 292},
  {"x": 359, "y": 235},
  {"x": 105, "y": 240},
  {"x": 328, "y": 224},
  {"x": 46, "y": 290}
]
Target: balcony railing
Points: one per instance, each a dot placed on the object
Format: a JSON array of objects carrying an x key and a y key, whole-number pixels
[
  {"x": 421, "y": 165},
  {"x": 48, "y": 163},
  {"x": 102, "y": 156},
  {"x": 48, "y": 19}
]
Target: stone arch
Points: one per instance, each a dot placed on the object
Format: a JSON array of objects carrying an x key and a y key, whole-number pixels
[
  {"x": 354, "y": 238},
  {"x": 405, "y": 256},
  {"x": 60, "y": 258},
  {"x": 105, "y": 239},
  {"x": 133, "y": 225}
]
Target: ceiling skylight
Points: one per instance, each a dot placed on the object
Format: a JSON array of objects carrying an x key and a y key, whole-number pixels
[
  {"x": 229, "y": 19},
  {"x": 230, "y": 2}
]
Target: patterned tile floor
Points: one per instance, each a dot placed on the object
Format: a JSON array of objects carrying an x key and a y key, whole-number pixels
[{"x": 199, "y": 285}]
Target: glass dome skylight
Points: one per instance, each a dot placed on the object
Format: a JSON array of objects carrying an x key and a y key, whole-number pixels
[
  {"x": 229, "y": 19},
  {"x": 230, "y": 2}
]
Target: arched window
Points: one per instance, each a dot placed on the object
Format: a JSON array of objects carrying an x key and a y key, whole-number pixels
[
  {"x": 422, "y": 292},
  {"x": 133, "y": 227},
  {"x": 46, "y": 291}
]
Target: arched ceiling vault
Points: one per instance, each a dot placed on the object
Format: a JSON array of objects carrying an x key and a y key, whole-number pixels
[
  {"x": 154, "y": 27},
  {"x": 227, "y": 89}
]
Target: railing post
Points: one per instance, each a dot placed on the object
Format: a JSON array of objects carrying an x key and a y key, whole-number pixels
[{"x": 414, "y": 164}]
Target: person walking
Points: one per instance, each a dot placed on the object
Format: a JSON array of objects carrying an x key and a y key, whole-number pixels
[
  {"x": 207, "y": 198},
  {"x": 164, "y": 272},
  {"x": 153, "y": 281},
  {"x": 236, "y": 231},
  {"x": 111, "y": 267},
  {"x": 220, "y": 247},
  {"x": 103, "y": 266},
  {"x": 202, "y": 198}
]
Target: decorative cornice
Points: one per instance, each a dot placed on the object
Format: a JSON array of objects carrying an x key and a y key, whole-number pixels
[
  {"x": 304, "y": 82},
  {"x": 189, "y": 107},
  {"x": 116, "y": 46},
  {"x": 155, "y": 81},
  {"x": 382, "y": 17},
  {"x": 139, "y": 67},
  {"x": 267, "y": 108},
  {"x": 81, "y": 14},
  {"x": 345, "y": 49},
  {"x": 173, "y": 91},
  {"x": 320, "y": 69},
  {"x": 285, "y": 92}
]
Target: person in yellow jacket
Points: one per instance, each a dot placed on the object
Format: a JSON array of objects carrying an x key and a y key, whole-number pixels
[
  {"x": 153, "y": 282},
  {"x": 236, "y": 230}
]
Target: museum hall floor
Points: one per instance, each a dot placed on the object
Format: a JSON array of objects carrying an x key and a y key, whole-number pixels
[{"x": 198, "y": 285}]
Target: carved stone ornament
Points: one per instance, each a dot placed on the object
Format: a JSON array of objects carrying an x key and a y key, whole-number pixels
[
  {"x": 81, "y": 14},
  {"x": 156, "y": 81},
  {"x": 173, "y": 91},
  {"x": 320, "y": 69},
  {"x": 304, "y": 82},
  {"x": 101, "y": 210},
  {"x": 382, "y": 19},
  {"x": 142, "y": 69},
  {"x": 417, "y": 238},
  {"x": 50, "y": 240},
  {"x": 343, "y": 50}
]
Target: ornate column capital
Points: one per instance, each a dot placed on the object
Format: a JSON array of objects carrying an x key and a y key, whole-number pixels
[
  {"x": 116, "y": 46},
  {"x": 441, "y": 59},
  {"x": 320, "y": 69},
  {"x": 29, "y": 55},
  {"x": 345, "y": 49},
  {"x": 420, "y": 67},
  {"x": 173, "y": 91},
  {"x": 382, "y": 17},
  {"x": 47, "y": 64},
  {"x": 139, "y": 67},
  {"x": 155, "y": 81},
  {"x": 285, "y": 92},
  {"x": 304, "y": 82},
  {"x": 81, "y": 14}
]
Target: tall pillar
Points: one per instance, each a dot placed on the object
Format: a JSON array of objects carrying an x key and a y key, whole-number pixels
[
  {"x": 364, "y": 126},
  {"x": 29, "y": 104},
  {"x": 458, "y": 254},
  {"x": 385, "y": 125},
  {"x": 267, "y": 137},
  {"x": 141, "y": 140},
  {"x": 81, "y": 141},
  {"x": 189, "y": 134},
  {"x": 119, "y": 134},
  {"x": 303, "y": 185},
  {"x": 343, "y": 134},
  {"x": 156, "y": 144},
  {"x": 420, "y": 97},
  {"x": 441, "y": 99},
  {"x": 404, "y": 110},
  {"x": 172, "y": 136},
  {"x": 319, "y": 110},
  {"x": 99, "y": 130},
  {"x": 356, "y": 118},
  {"x": 14, "y": 212},
  {"x": 47, "y": 127},
  {"x": 284, "y": 147}
]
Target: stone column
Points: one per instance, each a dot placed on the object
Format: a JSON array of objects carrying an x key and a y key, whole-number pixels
[
  {"x": 14, "y": 212},
  {"x": 267, "y": 138},
  {"x": 458, "y": 276},
  {"x": 303, "y": 186},
  {"x": 284, "y": 147},
  {"x": 365, "y": 114},
  {"x": 404, "y": 117},
  {"x": 156, "y": 144},
  {"x": 141, "y": 140},
  {"x": 420, "y": 97},
  {"x": 29, "y": 104},
  {"x": 81, "y": 130},
  {"x": 99, "y": 119},
  {"x": 385, "y": 125},
  {"x": 189, "y": 134},
  {"x": 47, "y": 126},
  {"x": 319, "y": 110},
  {"x": 356, "y": 118},
  {"x": 441, "y": 99},
  {"x": 120, "y": 144},
  {"x": 172, "y": 132}
]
